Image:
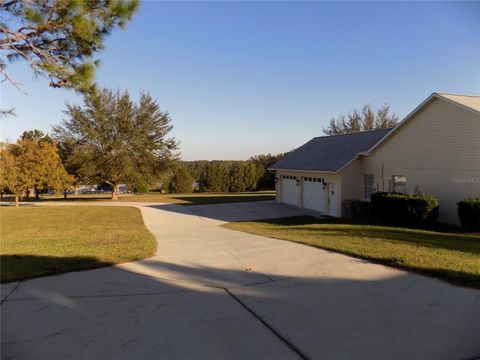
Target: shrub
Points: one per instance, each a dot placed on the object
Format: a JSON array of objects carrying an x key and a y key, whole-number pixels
[
  {"x": 141, "y": 188},
  {"x": 403, "y": 209},
  {"x": 182, "y": 181},
  {"x": 357, "y": 208},
  {"x": 469, "y": 213}
]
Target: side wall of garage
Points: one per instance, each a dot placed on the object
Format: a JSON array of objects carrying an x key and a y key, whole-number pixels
[{"x": 352, "y": 182}]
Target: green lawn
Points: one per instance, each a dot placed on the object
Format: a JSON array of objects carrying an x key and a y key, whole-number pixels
[
  {"x": 184, "y": 199},
  {"x": 201, "y": 198},
  {"x": 37, "y": 241},
  {"x": 453, "y": 256}
]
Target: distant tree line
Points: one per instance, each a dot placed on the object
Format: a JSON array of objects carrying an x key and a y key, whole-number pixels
[{"x": 223, "y": 175}]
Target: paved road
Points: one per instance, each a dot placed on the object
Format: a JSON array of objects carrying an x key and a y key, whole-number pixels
[{"x": 214, "y": 293}]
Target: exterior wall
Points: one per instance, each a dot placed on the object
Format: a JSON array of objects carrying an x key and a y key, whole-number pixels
[
  {"x": 330, "y": 178},
  {"x": 352, "y": 182},
  {"x": 438, "y": 151}
]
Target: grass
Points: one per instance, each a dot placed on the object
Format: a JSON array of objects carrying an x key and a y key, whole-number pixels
[
  {"x": 453, "y": 256},
  {"x": 201, "y": 198},
  {"x": 37, "y": 241},
  {"x": 184, "y": 199}
]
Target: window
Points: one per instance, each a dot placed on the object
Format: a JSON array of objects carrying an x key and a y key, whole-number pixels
[{"x": 367, "y": 186}]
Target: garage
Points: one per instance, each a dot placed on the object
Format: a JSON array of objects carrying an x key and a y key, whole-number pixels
[
  {"x": 313, "y": 195},
  {"x": 289, "y": 190},
  {"x": 323, "y": 171}
]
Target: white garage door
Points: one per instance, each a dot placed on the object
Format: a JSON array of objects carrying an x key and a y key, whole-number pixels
[
  {"x": 289, "y": 190},
  {"x": 313, "y": 194}
]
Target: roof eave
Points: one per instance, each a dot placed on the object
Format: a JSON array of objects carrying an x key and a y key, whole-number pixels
[{"x": 301, "y": 170}]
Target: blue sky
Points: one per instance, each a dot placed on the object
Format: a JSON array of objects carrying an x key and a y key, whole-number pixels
[{"x": 243, "y": 78}]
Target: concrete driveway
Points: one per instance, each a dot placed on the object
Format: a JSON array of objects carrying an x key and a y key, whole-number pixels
[{"x": 214, "y": 293}]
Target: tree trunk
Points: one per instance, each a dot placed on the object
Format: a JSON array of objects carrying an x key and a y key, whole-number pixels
[
  {"x": 37, "y": 194},
  {"x": 114, "y": 193},
  {"x": 16, "y": 201},
  {"x": 65, "y": 194}
]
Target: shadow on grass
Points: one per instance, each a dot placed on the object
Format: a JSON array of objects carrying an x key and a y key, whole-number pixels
[
  {"x": 21, "y": 267},
  {"x": 183, "y": 199}
]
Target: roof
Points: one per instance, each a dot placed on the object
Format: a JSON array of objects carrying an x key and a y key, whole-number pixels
[
  {"x": 330, "y": 153},
  {"x": 467, "y": 102}
]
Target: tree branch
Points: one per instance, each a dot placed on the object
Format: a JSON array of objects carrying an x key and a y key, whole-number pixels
[{"x": 13, "y": 82}]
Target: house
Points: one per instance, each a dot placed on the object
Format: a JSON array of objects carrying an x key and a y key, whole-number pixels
[{"x": 435, "y": 150}]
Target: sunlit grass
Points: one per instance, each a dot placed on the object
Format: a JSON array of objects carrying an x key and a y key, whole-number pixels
[{"x": 37, "y": 241}]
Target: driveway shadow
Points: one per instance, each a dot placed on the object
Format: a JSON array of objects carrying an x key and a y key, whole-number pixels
[
  {"x": 238, "y": 211},
  {"x": 114, "y": 314}
]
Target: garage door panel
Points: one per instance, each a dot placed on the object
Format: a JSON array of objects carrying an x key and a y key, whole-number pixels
[
  {"x": 313, "y": 196},
  {"x": 289, "y": 190}
]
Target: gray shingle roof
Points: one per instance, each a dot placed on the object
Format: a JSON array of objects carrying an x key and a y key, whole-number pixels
[{"x": 329, "y": 153}]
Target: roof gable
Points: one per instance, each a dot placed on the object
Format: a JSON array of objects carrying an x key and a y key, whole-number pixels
[
  {"x": 469, "y": 103},
  {"x": 330, "y": 153}
]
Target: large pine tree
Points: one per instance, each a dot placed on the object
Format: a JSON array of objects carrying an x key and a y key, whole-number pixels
[
  {"x": 113, "y": 140},
  {"x": 58, "y": 39}
]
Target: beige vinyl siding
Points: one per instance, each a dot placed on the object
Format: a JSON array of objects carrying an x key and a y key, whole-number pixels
[
  {"x": 438, "y": 150},
  {"x": 352, "y": 182}
]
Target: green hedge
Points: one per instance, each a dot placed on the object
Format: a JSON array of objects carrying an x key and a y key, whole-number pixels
[
  {"x": 404, "y": 209},
  {"x": 469, "y": 213},
  {"x": 357, "y": 209}
]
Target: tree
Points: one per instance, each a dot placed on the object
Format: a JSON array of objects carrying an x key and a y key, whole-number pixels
[
  {"x": 196, "y": 167},
  {"x": 36, "y": 135},
  {"x": 364, "y": 120},
  {"x": 32, "y": 165},
  {"x": 264, "y": 161},
  {"x": 58, "y": 39},
  {"x": 237, "y": 177},
  {"x": 110, "y": 139},
  {"x": 9, "y": 172},
  {"x": 215, "y": 176},
  {"x": 182, "y": 181},
  {"x": 252, "y": 175}
]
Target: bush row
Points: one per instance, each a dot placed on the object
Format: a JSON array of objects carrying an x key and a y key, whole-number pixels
[
  {"x": 411, "y": 210},
  {"x": 404, "y": 209},
  {"x": 469, "y": 213}
]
